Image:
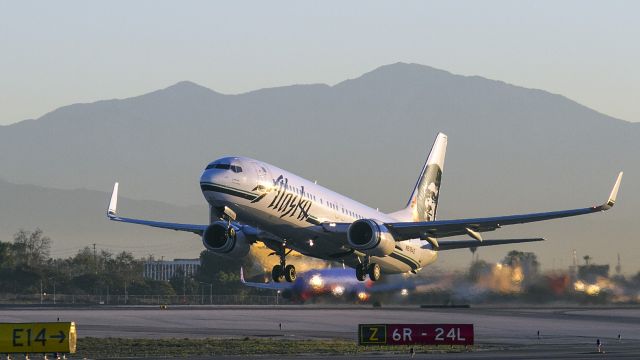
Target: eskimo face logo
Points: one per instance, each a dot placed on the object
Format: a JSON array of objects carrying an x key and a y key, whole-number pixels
[
  {"x": 425, "y": 202},
  {"x": 285, "y": 202}
]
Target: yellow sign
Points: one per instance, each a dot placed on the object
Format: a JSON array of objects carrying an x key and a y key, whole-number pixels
[
  {"x": 33, "y": 338},
  {"x": 372, "y": 334}
]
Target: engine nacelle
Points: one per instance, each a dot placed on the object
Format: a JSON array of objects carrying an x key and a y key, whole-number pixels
[
  {"x": 226, "y": 241},
  {"x": 370, "y": 237}
]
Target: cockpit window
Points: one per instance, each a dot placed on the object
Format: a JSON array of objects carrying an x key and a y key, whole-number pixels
[
  {"x": 219, "y": 166},
  {"x": 222, "y": 166}
]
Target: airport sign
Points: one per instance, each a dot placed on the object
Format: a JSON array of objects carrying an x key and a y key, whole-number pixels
[
  {"x": 35, "y": 338},
  {"x": 415, "y": 334}
]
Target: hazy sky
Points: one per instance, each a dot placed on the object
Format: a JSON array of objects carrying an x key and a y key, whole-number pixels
[{"x": 55, "y": 53}]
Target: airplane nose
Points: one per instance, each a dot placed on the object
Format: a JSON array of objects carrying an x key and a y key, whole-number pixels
[
  {"x": 206, "y": 176},
  {"x": 209, "y": 181},
  {"x": 209, "y": 177}
]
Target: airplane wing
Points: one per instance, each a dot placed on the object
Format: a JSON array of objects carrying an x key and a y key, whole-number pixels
[
  {"x": 269, "y": 285},
  {"x": 474, "y": 226},
  {"x": 111, "y": 214}
]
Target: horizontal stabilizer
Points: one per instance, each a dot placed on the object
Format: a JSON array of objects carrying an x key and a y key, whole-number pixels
[{"x": 464, "y": 244}]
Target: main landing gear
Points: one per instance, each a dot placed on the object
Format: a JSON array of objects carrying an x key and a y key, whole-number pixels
[
  {"x": 283, "y": 271},
  {"x": 368, "y": 268}
]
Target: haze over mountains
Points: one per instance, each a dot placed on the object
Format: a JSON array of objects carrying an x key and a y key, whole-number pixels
[
  {"x": 511, "y": 150},
  {"x": 76, "y": 218}
]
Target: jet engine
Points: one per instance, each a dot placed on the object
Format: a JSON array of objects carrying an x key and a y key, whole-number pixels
[
  {"x": 225, "y": 240},
  {"x": 370, "y": 237}
]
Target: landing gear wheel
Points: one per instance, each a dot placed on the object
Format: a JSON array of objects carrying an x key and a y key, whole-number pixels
[
  {"x": 290, "y": 273},
  {"x": 374, "y": 272},
  {"x": 276, "y": 273},
  {"x": 360, "y": 273}
]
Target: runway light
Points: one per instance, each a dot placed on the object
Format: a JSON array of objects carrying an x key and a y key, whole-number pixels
[
  {"x": 338, "y": 290},
  {"x": 316, "y": 282},
  {"x": 593, "y": 290},
  {"x": 363, "y": 296},
  {"x": 589, "y": 289},
  {"x": 310, "y": 242},
  {"x": 404, "y": 292}
]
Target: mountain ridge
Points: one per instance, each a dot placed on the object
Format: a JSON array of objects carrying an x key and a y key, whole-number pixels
[{"x": 192, "y": 86}]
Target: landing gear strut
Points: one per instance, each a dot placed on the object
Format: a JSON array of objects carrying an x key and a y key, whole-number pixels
[
  {"x": 283, "y": 271},
  {"x": 368, "y": 268},
  {"x": 361, "y": 273}
]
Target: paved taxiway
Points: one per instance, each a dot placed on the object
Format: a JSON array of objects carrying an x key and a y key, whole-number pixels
[{"x": 509, "y": 332}]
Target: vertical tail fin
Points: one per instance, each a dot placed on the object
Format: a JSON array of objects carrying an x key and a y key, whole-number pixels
[{"x": 423, "y": 203}]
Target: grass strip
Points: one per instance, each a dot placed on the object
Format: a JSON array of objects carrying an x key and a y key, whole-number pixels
[{"x": 118, "y": 347}]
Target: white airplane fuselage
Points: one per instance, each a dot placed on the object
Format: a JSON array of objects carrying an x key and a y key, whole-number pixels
[{"x": 293, "y": 209}]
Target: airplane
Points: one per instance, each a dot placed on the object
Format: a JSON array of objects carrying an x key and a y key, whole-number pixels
[
  {"x": 251, "y": 201},
  {"x": 336, "y": 282}
]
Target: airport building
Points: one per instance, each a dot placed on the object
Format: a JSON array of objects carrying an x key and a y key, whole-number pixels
[{"x": 167, "y": 269}]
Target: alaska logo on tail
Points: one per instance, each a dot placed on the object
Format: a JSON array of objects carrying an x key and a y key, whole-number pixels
[{"x": 423, "y": 203}]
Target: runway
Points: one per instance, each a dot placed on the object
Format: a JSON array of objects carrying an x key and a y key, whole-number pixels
[{"x": 508, "y": 332}]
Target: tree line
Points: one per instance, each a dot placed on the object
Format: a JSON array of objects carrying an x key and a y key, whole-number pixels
[{"x": 26, "y": 267}]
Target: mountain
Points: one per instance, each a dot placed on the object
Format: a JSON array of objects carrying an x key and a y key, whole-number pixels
[{"x": 511, "y": 149}]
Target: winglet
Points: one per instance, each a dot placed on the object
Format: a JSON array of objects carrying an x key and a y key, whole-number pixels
[
  {"x": 614, "y": 193},
  {"x": 113, "y": 204}
]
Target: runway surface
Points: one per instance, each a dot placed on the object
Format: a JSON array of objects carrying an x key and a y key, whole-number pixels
[{"x": 499, "y": 332}]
